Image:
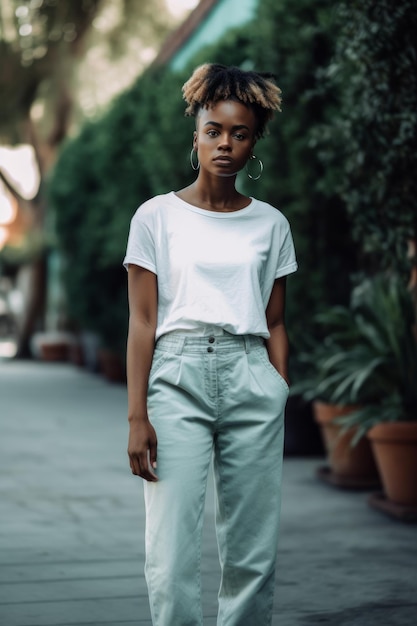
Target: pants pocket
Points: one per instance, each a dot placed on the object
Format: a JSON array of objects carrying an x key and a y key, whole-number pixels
[
  {"x": 159, "y": 358},
  {"x": 262, "y": 356}
]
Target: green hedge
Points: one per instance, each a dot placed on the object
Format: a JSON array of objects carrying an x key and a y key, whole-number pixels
[
  {"x": 101, "y": 177},
  {"x": 372, "y": 142},
  {"x": 141, "y": 148},
  {"x": 296, "y": 41}
]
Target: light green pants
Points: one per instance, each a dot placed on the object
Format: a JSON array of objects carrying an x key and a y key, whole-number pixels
[{"x": 221, "y": 395}]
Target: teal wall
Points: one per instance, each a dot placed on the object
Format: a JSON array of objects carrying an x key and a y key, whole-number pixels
[{"x": 225, "y": 15}]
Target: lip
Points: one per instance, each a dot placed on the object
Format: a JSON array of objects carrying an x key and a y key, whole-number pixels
[{"x": 223, "y": 159}]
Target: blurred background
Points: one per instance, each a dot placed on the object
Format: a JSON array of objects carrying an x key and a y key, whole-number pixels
[{"x": 92, "y": 124}]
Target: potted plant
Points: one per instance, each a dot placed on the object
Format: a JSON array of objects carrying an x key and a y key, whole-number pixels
[
  {"x": 384, "y": 310},
  {"x": 331, "y": 365}
]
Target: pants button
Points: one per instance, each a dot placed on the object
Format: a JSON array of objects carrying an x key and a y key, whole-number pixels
[
  {"x": 211, "y": 340},
  {"x": 210, "y": 349}
]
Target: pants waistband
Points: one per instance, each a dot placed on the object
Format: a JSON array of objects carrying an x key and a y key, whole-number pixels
[{"x": 180, "y": 343}]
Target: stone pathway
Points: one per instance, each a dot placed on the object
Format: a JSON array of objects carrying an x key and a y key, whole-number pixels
[{"x": 72, "y": 522}]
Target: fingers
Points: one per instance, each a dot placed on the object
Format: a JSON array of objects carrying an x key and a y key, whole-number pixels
[
  {"x": 143, "y": 463},
  {"x": 142, "y": 451},
  {"x": 152, "y": 454},
  {"x": 146, "y": 471}
]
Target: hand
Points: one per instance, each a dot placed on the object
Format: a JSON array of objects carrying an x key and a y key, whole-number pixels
[
  {"x": 142, "y": 450},
  {"x": 287, "y": 380}
]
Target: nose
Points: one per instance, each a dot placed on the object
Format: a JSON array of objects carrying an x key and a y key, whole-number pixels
[{"x": 224, "y": 142}]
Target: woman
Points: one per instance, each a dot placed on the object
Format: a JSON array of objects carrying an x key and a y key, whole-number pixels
[{"x": 207, "y": 360}]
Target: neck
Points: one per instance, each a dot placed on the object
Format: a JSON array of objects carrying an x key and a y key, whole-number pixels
[
  {"x": 214, "y": 194},
  {"x": 218, "y": 194}
]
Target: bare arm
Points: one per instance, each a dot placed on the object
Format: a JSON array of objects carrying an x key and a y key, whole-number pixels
[
  {"x": 142, "y": 447},
  {"x": 277, "y": 344}
]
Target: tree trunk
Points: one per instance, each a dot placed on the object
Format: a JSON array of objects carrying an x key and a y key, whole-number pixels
[{"x": 34, "y": 297}]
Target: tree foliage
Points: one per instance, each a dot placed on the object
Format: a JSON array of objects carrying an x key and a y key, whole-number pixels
[
  {"x": 101, "y": 177},
  {"x": 60, "y": 61},
  {"x": 296, "y": 41},
  {"x": 372, "y": 142},
  {"x": 141, "y": 147},
  {"x": 43, "y": 45},
  {"x": 34, "y": 39}
]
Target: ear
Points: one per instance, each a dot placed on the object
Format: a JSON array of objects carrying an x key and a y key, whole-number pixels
[{"x": 195, "y": 141}]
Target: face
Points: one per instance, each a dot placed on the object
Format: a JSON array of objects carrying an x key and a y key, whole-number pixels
[{"x": 225, "y": 137}]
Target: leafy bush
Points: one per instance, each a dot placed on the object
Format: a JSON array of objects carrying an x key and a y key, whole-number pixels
[
  {"x": 101, "y": 177},
  {"x": 296, "y": 42},
  {"x": 368, "y": 356},
  {"x": 372, "y": 142},
  {"x": 387, "y": 366}
]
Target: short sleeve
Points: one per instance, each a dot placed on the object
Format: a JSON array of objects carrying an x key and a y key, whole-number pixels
[
  {"x": 141, "y": 242},
  {"x": 287, "y": 263}
]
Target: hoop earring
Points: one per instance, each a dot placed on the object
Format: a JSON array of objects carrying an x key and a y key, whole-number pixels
[
  {"x": 195, "y": 167},
  {"x": 260, "y": 165}
]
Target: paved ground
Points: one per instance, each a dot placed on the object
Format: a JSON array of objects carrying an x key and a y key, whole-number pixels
[{"x": 71, "y": 526}]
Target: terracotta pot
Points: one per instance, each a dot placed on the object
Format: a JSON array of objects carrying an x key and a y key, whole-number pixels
[
  {"x": 356, "y": 462},
  {"x": 395, "y": 449},
  {"x": 54, "y": 351}
]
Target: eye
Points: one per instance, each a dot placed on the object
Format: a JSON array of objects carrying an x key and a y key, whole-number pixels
[
  {"x": 239, "y": 136},
  {"x": 212, "y": 133}
]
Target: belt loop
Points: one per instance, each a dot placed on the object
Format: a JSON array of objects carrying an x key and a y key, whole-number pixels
[
  {"x": 246, "y": 339},
  {"x": 180, "y": 345}
]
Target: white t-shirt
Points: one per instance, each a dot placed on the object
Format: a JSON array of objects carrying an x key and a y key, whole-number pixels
[{"x": 214, "y": 269}]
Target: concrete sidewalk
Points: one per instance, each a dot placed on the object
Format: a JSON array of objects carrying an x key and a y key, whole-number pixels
[{"x": 72, "y": 522}]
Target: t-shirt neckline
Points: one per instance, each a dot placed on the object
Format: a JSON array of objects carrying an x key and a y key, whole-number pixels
[{"x": 216, "y": 214}]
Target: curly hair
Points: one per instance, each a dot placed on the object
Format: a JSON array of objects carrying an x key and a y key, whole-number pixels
[{"x": 212, "y": 82}]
